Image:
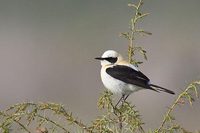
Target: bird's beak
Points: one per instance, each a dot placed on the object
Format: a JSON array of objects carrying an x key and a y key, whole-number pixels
[{"x": 99, "y": 58}]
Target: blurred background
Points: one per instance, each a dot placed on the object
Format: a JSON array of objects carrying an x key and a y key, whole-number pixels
[{"x": 47, "y": 51}]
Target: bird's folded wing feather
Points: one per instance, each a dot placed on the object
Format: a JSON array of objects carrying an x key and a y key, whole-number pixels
[{"x": 128, "y": 75}]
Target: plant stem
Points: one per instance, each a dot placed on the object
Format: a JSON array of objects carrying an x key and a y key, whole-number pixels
[
  {"x": 171, "y": 108},
  {"x": 13, "y": 119},
  {"x": 54, "y": 123},
  {"x": 133, "y": 31}
]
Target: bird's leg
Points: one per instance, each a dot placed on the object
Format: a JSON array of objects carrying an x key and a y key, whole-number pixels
[
  {"x": 120, "y": 100},
  {"x": 125, "y": 98}
]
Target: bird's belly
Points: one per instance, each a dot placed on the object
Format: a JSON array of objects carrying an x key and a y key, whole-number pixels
[{"x": 117, "y": 86}]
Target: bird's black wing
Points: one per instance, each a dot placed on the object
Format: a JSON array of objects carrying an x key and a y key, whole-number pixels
[{"x": 128, "y": 75}]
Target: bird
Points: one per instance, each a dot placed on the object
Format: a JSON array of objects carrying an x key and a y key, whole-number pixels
[{"x": 121, "y": 77}]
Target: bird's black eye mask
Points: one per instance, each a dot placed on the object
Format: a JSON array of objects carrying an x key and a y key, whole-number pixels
[{"x": 111, "y": 59}]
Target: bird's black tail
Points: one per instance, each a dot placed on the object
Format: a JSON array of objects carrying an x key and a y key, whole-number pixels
[{"x": 158, "y": 88}]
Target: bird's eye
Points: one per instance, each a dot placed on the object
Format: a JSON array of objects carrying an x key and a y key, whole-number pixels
[{"x": 111, "y": 59}]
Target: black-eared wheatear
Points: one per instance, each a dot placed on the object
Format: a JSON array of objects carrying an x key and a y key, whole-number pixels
[{"x": 119, "y": 76}]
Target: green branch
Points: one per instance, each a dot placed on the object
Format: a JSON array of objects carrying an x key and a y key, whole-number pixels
[
  {"x": 131, "y": 35},
  {"x": 185, "y": 95},
  {"x": 6, "y": 123},
  {"x": 33, "y": 110}
]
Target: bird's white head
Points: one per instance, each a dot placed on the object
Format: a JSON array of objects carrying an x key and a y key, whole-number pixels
[{"x": 109, "y": 57}]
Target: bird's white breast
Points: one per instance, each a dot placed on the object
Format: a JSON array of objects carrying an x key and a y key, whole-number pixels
[{"x": 115, "y": 85}]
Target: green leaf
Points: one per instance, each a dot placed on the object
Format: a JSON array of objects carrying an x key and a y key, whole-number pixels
[
  {"x": 125, "y": 35},
  {"x": 132, "y": 5},
  {"x": 142, "y": 15},
  {"x": 144, "y": 32}
]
